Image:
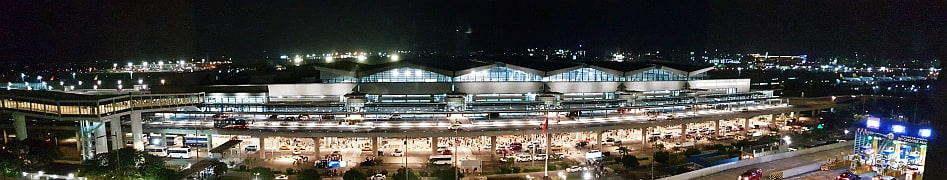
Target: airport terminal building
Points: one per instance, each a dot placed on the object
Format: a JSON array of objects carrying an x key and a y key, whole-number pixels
[{"x": 387, "y": 91}]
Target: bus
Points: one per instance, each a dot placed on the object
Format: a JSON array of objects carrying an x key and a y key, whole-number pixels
[
  {"x": 180, "y": 153},
  {"x": 230, "y": 123},
  {"x": 441, "y": 159},
  {"x": 195, "y": 141},
  {"x": 157, "y": 151}
]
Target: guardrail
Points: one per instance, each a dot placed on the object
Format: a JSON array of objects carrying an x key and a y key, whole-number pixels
[{"x": 723, "y": 167}]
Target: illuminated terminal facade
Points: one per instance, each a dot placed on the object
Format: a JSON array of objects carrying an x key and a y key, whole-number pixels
[{"x": 473, "y": 89}]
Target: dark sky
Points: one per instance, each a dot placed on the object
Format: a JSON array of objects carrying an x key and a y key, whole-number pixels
[{"x": 48, "y": 30}]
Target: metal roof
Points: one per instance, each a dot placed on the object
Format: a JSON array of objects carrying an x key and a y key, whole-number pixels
[{"x": 456, "y": 66}]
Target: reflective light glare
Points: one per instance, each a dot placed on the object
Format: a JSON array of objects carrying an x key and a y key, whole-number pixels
[
  {"x": 897, "y": 128},
  {"x": 924, "y": 132},
  {"x": 873, "y": 123}
]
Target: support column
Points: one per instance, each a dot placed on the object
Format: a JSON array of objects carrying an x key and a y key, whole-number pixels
[
  {"x": 493, "y": 145},
  {"x": 261, "y": 151},
  {"x": 101, "y": 138},
  {"x": 746, "y": 126},
  {"x": 210, "y": 142},
  {"x": 684, "y": 131},
  {"x": 716, "y": 128},
  {"x": 316, "y": 144},
  {"x": 117, "y": 135},
  {"x": 644, "y": 137},
  {"x": 434, "y": 145},
  {"x": 599, "y": 139},
  {"x": 19, "y": 124},
  {"x": 137, "y": 135},
  {"x": 374, "y": 146},
  {"x": 5, "y": 140}
]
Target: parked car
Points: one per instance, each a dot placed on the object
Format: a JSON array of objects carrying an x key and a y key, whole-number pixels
[
  {"x": 397, "y": 153},
  {"x": 366, "y": 148},
  {"x": 539, "y": 157},
  {"x": 523, "y": 158},
  {"x": 378, "y": 177},
  {"x": 574, "y": 169},
  {"x": 752, "y": 174},
  {"x": 250, "y": 148},
  {"x": 282, "y": 176},
  {"x": 848, "y": 175}
]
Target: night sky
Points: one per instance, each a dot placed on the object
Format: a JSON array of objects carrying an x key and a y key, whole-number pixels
[{"x": 54, "y": 31}]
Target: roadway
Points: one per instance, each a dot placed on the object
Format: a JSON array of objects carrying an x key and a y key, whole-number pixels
[
  {"x": 476, "y": 128},
  {"x": 784, "y": 164}
]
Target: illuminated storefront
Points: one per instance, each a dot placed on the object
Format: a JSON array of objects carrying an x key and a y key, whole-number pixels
[{"x": 889, "y": 145}]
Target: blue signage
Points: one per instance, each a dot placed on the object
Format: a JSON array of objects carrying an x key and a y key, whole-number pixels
[{"x": 897, "y": 130}]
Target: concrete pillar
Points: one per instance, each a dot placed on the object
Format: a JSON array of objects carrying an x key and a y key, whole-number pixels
[
  {"x": 599, "y": 139},
  {"x": 644, "y": 136},
  {"x": 716, "y": 128},
  {"x": 375, "y": 146},
  {"x": 493, "y": 146},
  {"x": 684, "y": 131},
  {"x": 101, "y": 138},
  {"x": 261, "y": 151},
  {"x": 79, "y": 140},
  {"x": 434, "y": 145},
  {"x": 5, "y": 140},
  {"x": 316, "y": 145},
  {"x": 746, "y": 126},
  {"x": 210, "y": 142},
  {"x": 117, "y": 135},
  {"x": 137, "y": 135},
  {"x": 19, "y": 124}
]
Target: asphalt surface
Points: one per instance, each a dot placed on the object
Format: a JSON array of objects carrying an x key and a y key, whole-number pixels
[{"x": 783, "y": 164}]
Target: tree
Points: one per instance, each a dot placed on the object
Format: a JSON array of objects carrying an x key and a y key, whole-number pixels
[
  {"x": 691, "y": 152},
  {"x": 308, "y": 174},
  {"x": 36, "y": 153},
  {"x": 354, "y": 174},
  {"x": 10, "y": 165},
  {"x": 220, "y": 168},
  {"x": 263, "y": 173},
  {"x": 629, "y": 161},
  {"x": 662, "y": 156},
  {"x": 623, "y": 150},
  {"x": 448, "y": 173},
  {"x": 127, "y": 163},
  {"x": 405, "y": 174}
]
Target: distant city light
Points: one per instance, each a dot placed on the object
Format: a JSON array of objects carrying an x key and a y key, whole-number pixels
[
  {"x": 362, "y": 58},
  {"x": 395, "y": 57}
]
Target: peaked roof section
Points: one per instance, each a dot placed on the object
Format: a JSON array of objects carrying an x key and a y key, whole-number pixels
[{"x": 456, "y": 66}]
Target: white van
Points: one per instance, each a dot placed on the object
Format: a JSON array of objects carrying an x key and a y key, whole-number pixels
[{"x": 181, "y": 153}]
